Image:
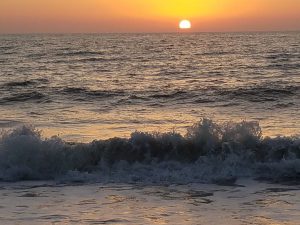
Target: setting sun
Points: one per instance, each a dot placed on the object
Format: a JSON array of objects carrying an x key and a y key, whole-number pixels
[
  {"x": 185, "y": 24},
  {"x": 149, "y": 112}
]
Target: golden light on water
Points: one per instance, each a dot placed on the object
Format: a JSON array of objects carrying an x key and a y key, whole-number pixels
[{"x": 185, "y": 24}]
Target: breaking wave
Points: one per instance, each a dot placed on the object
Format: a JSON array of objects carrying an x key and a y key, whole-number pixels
[{"x": 208, "y": 152}]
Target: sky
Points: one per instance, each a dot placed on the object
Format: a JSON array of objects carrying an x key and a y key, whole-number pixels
[{"x": 107, "y": 16}]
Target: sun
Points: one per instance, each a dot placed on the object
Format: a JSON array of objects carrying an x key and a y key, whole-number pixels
[{"x": 185, "y": 24}]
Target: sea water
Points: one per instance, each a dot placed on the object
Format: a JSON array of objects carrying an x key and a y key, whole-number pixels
[
  {"x": 86, "y": 87},
  {"x": 150, "y": 128}
]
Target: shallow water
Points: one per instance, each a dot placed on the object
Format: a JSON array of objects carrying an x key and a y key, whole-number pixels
[
  {"x": 85, "y": 87},
  {"x": 249, "y": 202}
]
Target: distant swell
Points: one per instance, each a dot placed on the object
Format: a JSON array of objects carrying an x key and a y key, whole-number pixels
[
  {"x": 209, "y": 152},
  {"x": 262, "y": 93},
  {"x": 85, "y": 92},
  {"x": 20, "y": 83},
  {"x": 25, "y": 83},
  {"x": 171, "y": 95},
  {"x": 80, "y": 53},
  {"x": 22, "y": 97},
  {"x": 101, "y": 59}
]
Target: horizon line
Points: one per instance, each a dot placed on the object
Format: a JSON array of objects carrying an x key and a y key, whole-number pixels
[{"x": 137, "y": 32}]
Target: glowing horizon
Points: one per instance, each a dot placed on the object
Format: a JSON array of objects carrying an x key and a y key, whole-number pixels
[{"x": 68, "y": 16}]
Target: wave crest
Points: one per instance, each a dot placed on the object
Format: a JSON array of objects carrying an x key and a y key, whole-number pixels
[{"x": 209, "y": 152}]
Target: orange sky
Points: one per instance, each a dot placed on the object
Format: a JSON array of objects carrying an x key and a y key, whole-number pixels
[{"x": 27, "y": 16}]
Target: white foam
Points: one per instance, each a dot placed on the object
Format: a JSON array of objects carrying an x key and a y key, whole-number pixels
[{"x": 210, "y": 152}]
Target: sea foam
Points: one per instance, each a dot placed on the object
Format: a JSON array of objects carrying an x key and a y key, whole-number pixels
[{"x": 208, "y": 152}]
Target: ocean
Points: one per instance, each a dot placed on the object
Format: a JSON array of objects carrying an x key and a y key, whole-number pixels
[{"x": 150, "y": 128}]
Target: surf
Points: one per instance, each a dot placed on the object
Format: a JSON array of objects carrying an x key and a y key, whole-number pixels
[{"x": 209, "y": 152}]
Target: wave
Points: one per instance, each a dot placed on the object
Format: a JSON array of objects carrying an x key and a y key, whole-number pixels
[
  {"x": 23, "y": 97},
  {"x": 283, "y": 97},
  {"x": 25, "y": 83},
  {"x": 102, "y": 59},
  {"x": 19, "y": 83},
  {"x": 86, "y": 92},
  {"x": 261, "y": 93},
  {"x": 209, "y": 152},
  {"x": 172, "y": 95},
  {"x": 284, "y": 105},
  {"x": 80, "y": 53}
]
